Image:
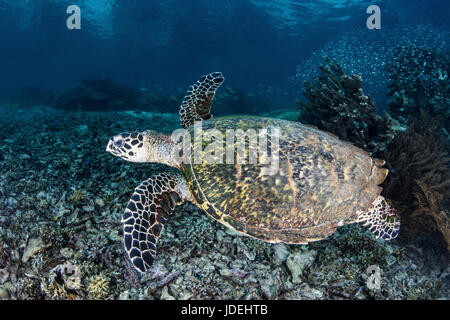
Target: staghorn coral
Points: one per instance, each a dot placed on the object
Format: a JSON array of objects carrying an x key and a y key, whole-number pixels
[
  {"x": 336, "y": 103},
  {"x": 419, "y": 179}
]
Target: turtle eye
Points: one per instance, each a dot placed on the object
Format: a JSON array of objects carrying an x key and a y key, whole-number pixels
[{"x": 119, "y": 143}]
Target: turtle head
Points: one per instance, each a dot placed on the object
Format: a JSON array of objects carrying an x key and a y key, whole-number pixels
[
  {"x": 130, "y": 146},
  {"x": 147, "y": 146}
]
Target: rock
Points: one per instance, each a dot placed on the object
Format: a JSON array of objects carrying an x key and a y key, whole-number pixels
[
  {"x": 165, "y": 294},
  {"x": 245, "y": 249},
  {"x": 61, "y": 213},
  {"x": 82, "y": 129},
  {"x": 113, "y": 236},
  {"x": 88, "y": 208},
  {"x": 269, "y": 287},
  {"x": 317, "y": 293},
  {"x": 233, "y": 273},
  {"x": 33, "y": 247},
  {"x": 4, "y": 275},
  {"x": 41, "y": 195},
  {"x": 4, "y": 295},
  {"x": 185, "y": 295},
  {"x": 297, "y": 262},
  {"x": 281, "y": 252},
  {"x": 124, "y": 295},
  {"x": 9, "y": 287},
  {"x": 24, "y": 156},
  {"x": 99, "y": 202},
  {"x": 310, "y": 293},
  {"x": 66, "y": 253},
  {"x": 233, "y": 233}
]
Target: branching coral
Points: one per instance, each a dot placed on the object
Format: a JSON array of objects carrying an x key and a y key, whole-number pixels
[
  {"x": 419, "y": 179},
  {"x": 336, "y": 103},
  {"x": 98, "y": 287}
]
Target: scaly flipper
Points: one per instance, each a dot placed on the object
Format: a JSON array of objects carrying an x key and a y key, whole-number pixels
[
  {"x": 196, "y": 104},
  {"x": 381, "y": 220},
  {"x": 148, "y": 210}
]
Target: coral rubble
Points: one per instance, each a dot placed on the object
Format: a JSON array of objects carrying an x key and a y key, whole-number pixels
[{"x": 80, "y": 246}]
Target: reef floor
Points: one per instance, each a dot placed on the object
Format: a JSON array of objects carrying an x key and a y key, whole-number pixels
[{"x": 62, "y": 197}]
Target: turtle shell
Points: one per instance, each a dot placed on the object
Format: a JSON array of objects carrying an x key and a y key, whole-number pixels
[{"x": 320, "y": 182}]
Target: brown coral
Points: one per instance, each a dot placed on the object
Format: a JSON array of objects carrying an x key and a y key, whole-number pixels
[
  {"x": 431, "y": 204},
  {"x": 419, "y": 179}
]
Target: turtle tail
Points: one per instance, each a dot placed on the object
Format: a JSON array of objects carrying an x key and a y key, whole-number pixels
[{"x": 382, "y": 219}]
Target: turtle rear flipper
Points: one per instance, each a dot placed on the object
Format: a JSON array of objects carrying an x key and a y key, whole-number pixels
[
  {"x": 148, "y": 210},
  {"x": 196, "y": 104},
  {"x": 382, "y": 220}
]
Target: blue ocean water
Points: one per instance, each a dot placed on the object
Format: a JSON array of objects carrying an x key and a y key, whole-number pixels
[
  {"x": 167, "y": 43},
  {"x": 75, "y": 73}
]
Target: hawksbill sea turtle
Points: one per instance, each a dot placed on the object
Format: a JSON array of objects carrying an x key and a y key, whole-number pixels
[{"x": 319, "y": 184}]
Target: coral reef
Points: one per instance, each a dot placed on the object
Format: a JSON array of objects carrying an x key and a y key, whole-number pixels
[
  {"x": 419, "y": 179},
  {"x": 198, "y": 258},
  {"x": 416, "y": 148},
  {"x": 98, "y": 94},
  {"x": 64, "y": 282},
  {"x": 367, "y": 54},
  {"x": 103, "y": 94},
  {"x": 418, "y": 79},
  {"x": 337, "y": 104},
  {"x": 98, "y": 287}
]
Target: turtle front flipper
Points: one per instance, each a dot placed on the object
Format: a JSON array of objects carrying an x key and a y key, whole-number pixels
[
  {"x": 196, "y": 104},
  {"x": 382, "y": 220},
  {"x": 148, "y": 210}
]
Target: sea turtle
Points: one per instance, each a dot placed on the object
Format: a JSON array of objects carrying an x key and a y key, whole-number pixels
[{"x": 318, "y": 182}]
